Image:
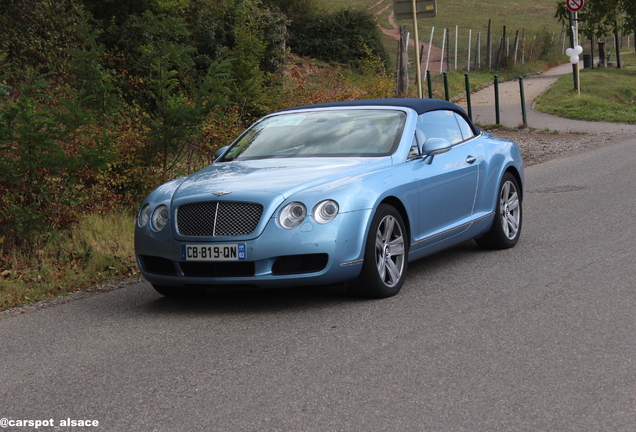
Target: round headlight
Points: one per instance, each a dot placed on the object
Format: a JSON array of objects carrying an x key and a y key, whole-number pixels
[
  {"x": 292, "y": 215},
  {"x": 325, "y": 211},
  {"x": 160, "y": 217},
  {"x": 144, "y": 216}
]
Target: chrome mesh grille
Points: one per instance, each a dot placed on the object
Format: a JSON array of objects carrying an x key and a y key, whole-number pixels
[{"x": 218, "y": 218}]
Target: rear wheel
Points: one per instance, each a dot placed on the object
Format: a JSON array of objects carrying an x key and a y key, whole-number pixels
[
  {"x": 506, "y": 228},
  {"x": 385, "y": 257}
]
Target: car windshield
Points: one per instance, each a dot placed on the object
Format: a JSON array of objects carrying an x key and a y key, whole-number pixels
[{"x": 337, "y": 133}]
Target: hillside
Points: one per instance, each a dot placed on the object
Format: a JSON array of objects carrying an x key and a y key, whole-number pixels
[
  {"x": 534, "y": 20},
  {"x": 532, "y": 16}
]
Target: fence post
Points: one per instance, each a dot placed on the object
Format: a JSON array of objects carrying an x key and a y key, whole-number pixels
[
  {"x": 456, "y": 41},
  {"x": 470, "y": 40},
  {"x": 430, "y": 44},
  {"x": 441, "y": 61},
  {"x": 446, "y": 92},
  {"x": 429, "y": 82},
  {"x": 470, "y": 109},
  {"x": 497, "y": 119},
  {"x": 489, "y": 47},
  {"x": 478, "y": 49},
  {"x": 523, "y": 103},
  {"x": 402, "y": 72}
]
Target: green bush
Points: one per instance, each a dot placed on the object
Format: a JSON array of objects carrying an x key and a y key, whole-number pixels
[{"x": 345, "y": 36}]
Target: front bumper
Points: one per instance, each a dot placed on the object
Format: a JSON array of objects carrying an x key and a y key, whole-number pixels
[{"x": 310, "y": 254}]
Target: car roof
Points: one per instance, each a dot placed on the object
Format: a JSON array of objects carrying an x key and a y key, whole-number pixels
[{"x": 419, "y": 105}]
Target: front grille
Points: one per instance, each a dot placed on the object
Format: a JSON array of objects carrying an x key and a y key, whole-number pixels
[{"x": 218, "y": 218}]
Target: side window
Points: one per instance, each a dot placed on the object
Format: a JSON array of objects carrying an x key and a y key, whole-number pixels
[
  {"x": 440, "y": 124},
  {"x": 415, "y": 150},
  {"x": 467, "y": 132}
]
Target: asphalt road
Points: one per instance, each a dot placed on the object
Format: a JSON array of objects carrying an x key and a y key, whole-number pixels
[{"x": 538, "y": 338}]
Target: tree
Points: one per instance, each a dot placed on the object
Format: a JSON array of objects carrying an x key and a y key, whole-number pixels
[
  {"x": 175, "y": 111},
  {"x": 46, "y": 148},
  {"x": 600, "y": 18}
]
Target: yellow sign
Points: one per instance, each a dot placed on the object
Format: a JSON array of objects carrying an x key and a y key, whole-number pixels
[{"x": 403, "y": 9}]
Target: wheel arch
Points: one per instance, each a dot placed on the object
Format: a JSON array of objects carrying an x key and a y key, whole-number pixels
[
  {"x": 397, "y": 204},
  {"x": 513, "y": 170}
]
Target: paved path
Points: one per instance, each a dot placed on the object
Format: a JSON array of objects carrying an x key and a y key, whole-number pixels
[{"x": 483, "y": 103}]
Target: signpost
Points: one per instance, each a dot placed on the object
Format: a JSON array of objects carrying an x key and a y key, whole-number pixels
[
  {"x": 405, "y": 9},
  {"x": 575, "y": 6}
]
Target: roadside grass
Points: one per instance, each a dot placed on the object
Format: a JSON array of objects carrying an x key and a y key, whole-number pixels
[
  {"x": 99, "y": 249},
  {"x": 607, "y": 94}
]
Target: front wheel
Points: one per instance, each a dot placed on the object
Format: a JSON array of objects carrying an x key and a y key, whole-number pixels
[
  {"x": 506, "y": 228},
  {"x": 385, "y": 256}
]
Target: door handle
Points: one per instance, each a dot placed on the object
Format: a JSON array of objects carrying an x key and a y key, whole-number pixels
[{"x": 471, "y": 159}]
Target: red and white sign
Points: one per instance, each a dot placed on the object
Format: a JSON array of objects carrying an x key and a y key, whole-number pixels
[{"x": 574, "y": 5}]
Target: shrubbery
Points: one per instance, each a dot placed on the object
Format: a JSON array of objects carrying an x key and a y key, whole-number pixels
[
  {"x": 345, "y": 36},
  {"x": 102, "y": 101}
]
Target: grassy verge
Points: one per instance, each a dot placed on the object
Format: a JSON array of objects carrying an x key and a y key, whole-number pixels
[
  {"x": 100, "y": 248},
  {"x": 607, "y": 94}
]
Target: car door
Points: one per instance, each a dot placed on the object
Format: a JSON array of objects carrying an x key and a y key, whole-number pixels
[{"x": 447, "y": 184}]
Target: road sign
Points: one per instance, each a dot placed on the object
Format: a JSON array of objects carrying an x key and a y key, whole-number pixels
[
  {"x": 403, "y": 9},
  {"x": 574, "y": 5}
]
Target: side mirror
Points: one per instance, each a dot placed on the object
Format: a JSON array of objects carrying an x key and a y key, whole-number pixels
[
  {"x": 219, "y": 152},
  {"x": 435, "y": 146}
]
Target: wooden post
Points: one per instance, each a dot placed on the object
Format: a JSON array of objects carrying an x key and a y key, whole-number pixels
[
  {"x": 489, "y": 47},
  {"x": 504, "y": 59},
  {"x": 418, "y": 65},
  {"x": 470, "y": 40},
  {"x": 478, "y": 49},
  {"x": 403, "y": 59},
  {"x": 448, "y": 50},
  {"x": 430, "y": 44},
  {"x": 456, "y": 40},
  {"x": 441, "y": 61}
]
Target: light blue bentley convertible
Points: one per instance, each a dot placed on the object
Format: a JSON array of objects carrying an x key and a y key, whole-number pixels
[{"x": 337, "y": 192}]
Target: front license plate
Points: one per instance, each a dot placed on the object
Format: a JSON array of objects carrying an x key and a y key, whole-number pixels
[{"x": 216, "y": 252}]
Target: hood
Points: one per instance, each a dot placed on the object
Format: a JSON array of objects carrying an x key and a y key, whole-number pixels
[{"x": 284, "y": 177}]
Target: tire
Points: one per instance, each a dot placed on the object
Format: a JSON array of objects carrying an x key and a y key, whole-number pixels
[
  {"x": 506, "y": 227},
  {"x": 385, "y": 256},
  {"x": 170, "y": 291}
]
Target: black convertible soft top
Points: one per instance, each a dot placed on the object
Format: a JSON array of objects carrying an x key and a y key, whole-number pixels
[{"x": 419, "y": 105}]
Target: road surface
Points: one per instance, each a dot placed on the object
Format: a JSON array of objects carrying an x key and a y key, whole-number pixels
[{"x": 537, "y": 338}]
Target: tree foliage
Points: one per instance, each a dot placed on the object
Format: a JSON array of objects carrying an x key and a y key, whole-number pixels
[
  {"x": 599, "y": 18},
  {"x": 45, "y": 154},
  {"x": 344, "y": 36},
  {"x": 100, "y": 101}
]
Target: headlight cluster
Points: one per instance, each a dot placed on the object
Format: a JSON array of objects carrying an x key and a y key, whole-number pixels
[
  {"x": 294, "y": 213},
  {"x": 158, "y": 219}
]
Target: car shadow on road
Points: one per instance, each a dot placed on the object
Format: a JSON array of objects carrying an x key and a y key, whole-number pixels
[
  {"x": 266, "y": 301},
  {"x": 252, "y": 300}
]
